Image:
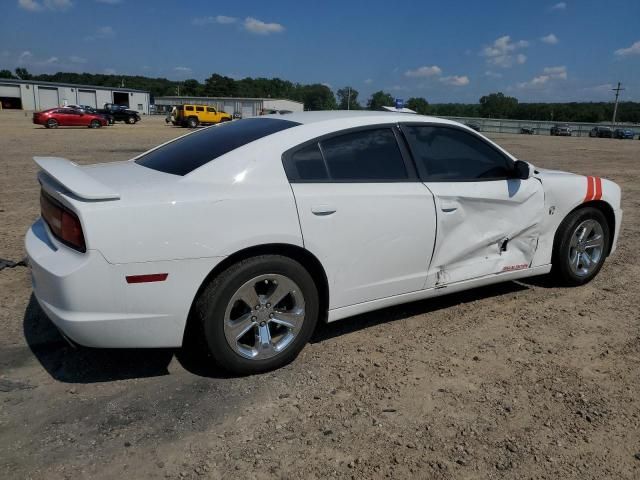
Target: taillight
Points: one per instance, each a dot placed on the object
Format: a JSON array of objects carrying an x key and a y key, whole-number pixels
[{"x": 63, "y": 223}]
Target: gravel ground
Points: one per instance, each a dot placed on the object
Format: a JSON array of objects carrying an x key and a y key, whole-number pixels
[{"x": 518, "y": 380}]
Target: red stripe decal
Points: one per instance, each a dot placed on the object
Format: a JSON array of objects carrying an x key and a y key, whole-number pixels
[
  {"x": 598, "y": 195},
  {"x": 153, "y": 277},
  {"x": 589, "y": 189}
]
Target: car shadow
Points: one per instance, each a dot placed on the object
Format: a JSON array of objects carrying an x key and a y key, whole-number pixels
[
  {"x": 69, "y": 364},
  {"x": 326, "y": 331}
]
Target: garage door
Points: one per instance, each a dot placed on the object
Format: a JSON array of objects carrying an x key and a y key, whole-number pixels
[
  {"x": 247, "y": 109},
  {"x": 48, "y": 98},
  {"x": 229, "y": 107},
  {"x": 87, "y": 97},
  {"x": 11, "y": 91}
]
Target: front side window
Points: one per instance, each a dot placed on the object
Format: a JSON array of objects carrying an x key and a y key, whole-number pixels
[
  {"x": 445, "y": 154},
  {"x": 211, "y": 110},
  {"x": 368, "y": 155}
]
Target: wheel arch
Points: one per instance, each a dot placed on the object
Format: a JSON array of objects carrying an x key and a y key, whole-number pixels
[
  {"x": 607, "y": 211},
  {"x": 309, "y": 261}
]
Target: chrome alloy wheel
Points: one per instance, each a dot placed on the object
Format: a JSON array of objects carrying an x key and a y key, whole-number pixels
[
  {"x": 586, "y": 248},
  {"x": 264, "y": 316}
]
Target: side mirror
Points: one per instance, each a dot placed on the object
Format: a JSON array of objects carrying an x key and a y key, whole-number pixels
[{"x": 521, "y": 170}]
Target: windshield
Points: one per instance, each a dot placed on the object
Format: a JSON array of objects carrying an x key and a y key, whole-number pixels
[{"x": 192, "y": 151}]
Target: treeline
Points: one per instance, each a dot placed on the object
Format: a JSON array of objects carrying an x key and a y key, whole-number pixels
[{"x": 321, "y": 97}]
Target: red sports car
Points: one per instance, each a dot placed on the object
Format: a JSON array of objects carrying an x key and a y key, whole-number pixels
[{"x": 68, "y": 117}]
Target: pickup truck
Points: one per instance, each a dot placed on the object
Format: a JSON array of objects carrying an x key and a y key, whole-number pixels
[
  {"x": 193, "y": 115},
  {"x": 120, "y": 113}
]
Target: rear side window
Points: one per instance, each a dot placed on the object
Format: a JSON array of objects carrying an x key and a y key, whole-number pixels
[
  {"x": 192, "y": 151},
  {"x": 199, "y": 109},
  {"x": 369, "y": 155},
  {"x": 189, "y": 109},
  {"x": 307, "y": 165},
  {"x": 445, "y": 154}
]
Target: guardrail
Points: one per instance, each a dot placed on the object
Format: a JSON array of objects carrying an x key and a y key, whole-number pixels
[{"x": 500, "y": 125}]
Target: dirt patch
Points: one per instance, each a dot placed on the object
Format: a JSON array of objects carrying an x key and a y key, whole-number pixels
[{"x": 517, "y": 380}]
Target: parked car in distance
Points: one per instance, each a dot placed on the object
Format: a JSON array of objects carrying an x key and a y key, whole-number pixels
[
  {"x": 560, "y": 131},
  {"x": 473, "y": 126},
  {"x": 623, "y": 133},
  {"x": 601, "y": 132},
  {"x": 120, "y": 113},
  {"x": 527, "y": 130},
  {"x": 68, "y": 117},
  {"x": 90, "y": 109},
  {"x": 194, "y": 115},
  {"x": 248, "y": 233}
]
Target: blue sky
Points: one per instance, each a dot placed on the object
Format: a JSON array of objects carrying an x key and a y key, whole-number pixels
[{"x": 444, "y": 51}]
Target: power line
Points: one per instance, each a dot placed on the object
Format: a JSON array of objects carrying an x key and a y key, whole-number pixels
[{"x": 618, "y": 89}]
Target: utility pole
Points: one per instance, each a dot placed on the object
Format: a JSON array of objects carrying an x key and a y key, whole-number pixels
[
  {"x": 618, "y": 89},
  {"x": 349, "y": 100}
]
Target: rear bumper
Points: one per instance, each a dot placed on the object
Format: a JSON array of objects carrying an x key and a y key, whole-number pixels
[{"x": 89, "y": 300}]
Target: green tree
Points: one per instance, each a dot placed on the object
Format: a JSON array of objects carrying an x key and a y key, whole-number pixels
[
  {"x": 498, "y": 105},
  {"x": 380, "y": 99},
  {"x": 348, "y": 99},
  {"x": 219, "y": 86},
  {"x": 6, "y": 74},
  {"x": 191, "y": 88},
  {"x": 419, "y": 105},
  {"x": 23, "y": 74},
  {"x": 315, "y": 97}
]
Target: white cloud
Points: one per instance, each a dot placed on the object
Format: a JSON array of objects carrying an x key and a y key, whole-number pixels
[
  {"x": 422, "y": 72},
  {"x": 102, "y": 33},
  {"x": 25, "y": 57},
  {"x": 632, "y": 50},
  {"x": 50, "y": 60},
  {"x": 501, "y": 52},
  {"x": 259, "y": 27},
  {"x": 399, "y": 88},
  {"x": 220, "y": 19},
  {"x": 77, "y": 59},
  {"x": 550, "y": 39},
  {"x": 110, "y": 71},
  {"x": 559, "y": 6},
  {"x": 456, "y": 80},
  {"x": 182, "y": 69},
  {"x": 368, "y": 81},
  {"x": 491, "y": 74},
  {"x": 548, "y": 74},
  {"x": 39, "y": 6},
  {"x": 110, "y": 2}
]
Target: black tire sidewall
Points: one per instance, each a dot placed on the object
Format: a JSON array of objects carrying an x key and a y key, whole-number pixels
[
  {"x": 131, "y": 120},
  {"x": 214, "y": 300},
  {"x": 52, "y": 123},
  {"x": 95, "y": 124},
  {"x": 561, "y": 269}
]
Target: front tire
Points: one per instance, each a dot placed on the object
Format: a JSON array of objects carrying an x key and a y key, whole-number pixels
[
  {"x": 131, "y": 120},
  {"x": 581, "y": 246},
  {"x": 258, "y": 314},
  {"x": 95, "y": 124}
]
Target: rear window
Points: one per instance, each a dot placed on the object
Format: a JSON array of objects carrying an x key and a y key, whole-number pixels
[{"x": 188, "y": 153}]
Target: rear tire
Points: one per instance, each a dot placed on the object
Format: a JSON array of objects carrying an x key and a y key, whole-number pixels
[
  {"x": 580, "y": 247},
  {"x": 192, "y": 122},
  {"x": 245, "y": 333},
  {"x": 52, "y": 123},
  {"x": 131, "y": 120}
]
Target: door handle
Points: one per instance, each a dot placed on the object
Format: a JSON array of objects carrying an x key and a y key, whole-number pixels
[
  {"x": 323, "y": 210},
  {"x": 448, "y": 206}
]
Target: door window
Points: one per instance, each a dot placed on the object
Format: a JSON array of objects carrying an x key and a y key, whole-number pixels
[
  {"x": 199, "y": 109},
  {"x": 211, "y": 110},
  {"x": 445, "y": 154}
]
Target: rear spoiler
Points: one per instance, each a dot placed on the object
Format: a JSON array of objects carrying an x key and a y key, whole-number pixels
[{"x": 72, "y": 177}]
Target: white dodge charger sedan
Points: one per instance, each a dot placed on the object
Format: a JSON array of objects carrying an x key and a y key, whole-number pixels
[{"x": 253, "y": 230}]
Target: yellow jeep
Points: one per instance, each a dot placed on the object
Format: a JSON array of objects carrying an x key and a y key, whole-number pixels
[{"x": 193, "y": 115}]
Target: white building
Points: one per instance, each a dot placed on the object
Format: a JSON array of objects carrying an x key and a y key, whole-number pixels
[
  {"x": 36, "y": 95},
  {"x": 245, "y": 107}
]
